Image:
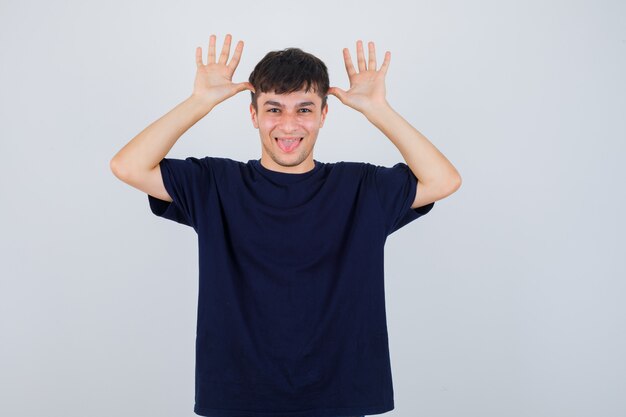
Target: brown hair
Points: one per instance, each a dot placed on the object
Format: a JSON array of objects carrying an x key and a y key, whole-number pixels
[{"x": 288, "y": 71}]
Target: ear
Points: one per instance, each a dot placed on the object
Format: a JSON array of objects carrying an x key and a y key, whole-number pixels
[
  {"x": 324, "y": 112},
  {"x": 253, "y": 115}
]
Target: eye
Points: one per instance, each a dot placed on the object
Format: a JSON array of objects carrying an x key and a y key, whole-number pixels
[
  {"x": 306, "y": 110},
  {"x": 272, "y": 110}
]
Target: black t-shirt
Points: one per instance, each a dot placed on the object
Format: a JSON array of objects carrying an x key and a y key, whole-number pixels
[{"x": 291, "y": 305}]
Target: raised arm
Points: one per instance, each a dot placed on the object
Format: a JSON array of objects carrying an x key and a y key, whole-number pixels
[
  {"x": 137, "y": 163},
  {"x": 437, "y": 177}
]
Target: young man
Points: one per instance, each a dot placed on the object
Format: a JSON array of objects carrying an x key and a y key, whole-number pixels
[{"x": 291, "y": 307}]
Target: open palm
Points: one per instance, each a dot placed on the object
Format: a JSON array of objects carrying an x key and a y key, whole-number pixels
[
  {"x": 367, "y": 87},
  {"x": 214, "y": 80}
]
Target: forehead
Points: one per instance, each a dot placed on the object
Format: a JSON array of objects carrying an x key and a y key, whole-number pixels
[{"x": 290, "y": 99}]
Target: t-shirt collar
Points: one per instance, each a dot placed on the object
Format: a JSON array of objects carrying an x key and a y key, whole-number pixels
[{"x": 284, "y": 177}]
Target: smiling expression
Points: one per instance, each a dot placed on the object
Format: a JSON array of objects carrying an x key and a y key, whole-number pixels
[{"x": 288, "y": 126}]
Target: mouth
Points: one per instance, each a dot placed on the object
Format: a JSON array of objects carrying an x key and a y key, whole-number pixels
[{"x": 288, "y": 144}]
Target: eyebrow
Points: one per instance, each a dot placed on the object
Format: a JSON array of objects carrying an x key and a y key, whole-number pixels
[{"x": 277, "y": 104}]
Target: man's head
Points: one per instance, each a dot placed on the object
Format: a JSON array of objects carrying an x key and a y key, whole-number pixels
[
  {"x": 288, "y": 71},
  {"x": 289, "y": 102}
]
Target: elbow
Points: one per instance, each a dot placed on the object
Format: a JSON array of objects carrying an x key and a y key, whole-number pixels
[
  {"x": 456, "y": 183},
  {"x": 451, "y": 185},
  {"x": 116, "y": 168}
]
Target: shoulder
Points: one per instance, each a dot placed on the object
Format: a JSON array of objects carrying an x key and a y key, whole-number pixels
[
  {"x": 222, "y": 164},
  {"x": 220, "y": 161},
  {"x": 374, "y": 171},
  {"x": 368, "y": 166},
  {"x": 352, "y": 166}
]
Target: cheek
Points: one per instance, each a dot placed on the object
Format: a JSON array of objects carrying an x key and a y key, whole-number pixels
[
  {"x": 313, "y": 125},
  {"x": 267, "y": 124},
  {"x": 266, "y": 127}
]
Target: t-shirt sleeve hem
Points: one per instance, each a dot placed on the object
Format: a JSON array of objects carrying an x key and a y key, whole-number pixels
[
  {"x": 410, "y": 214},
  {"x": 169, "y": 210},
  {"x": 424, "y": 209},
  {"x": 158, "y": 206}
]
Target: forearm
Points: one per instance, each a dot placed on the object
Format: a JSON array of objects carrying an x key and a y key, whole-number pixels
[
  {"x": 150, "y": 146},
  {"x": 427, "y": 163}
]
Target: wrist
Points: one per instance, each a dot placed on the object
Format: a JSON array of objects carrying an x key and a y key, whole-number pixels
[
  {"x": 201, "y": 101},
  {"x": 378, "y": 111}
]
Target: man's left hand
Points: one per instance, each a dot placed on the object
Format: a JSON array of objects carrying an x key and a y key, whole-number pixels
[{"x": 367, "y": 87}]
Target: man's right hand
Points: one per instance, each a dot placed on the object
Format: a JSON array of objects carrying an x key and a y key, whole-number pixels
[{"x": 214, "y": 80}]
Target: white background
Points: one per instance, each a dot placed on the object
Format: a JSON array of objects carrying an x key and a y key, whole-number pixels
[{"x": 507, "y": 299}]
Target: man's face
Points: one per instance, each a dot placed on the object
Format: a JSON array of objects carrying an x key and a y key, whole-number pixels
[{"x": 282, "y": 117}]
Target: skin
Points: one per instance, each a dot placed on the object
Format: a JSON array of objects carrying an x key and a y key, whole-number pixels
[
  {"x": 294, "y": 115},
  {"x": 437, "y": 177}
]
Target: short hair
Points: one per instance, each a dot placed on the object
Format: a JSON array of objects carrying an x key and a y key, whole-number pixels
[{"x": 288, "y": 71}]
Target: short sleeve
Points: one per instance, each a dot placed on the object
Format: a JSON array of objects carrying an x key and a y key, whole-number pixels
[
  {"x": 186, "y": 181},
  {"x": 396, "y": 188}
]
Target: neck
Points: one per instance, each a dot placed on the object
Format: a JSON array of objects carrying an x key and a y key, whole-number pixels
[{"x": 303, "y": 167}]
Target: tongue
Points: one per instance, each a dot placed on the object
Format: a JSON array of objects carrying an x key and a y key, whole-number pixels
[{"x": 286, "y": 145}]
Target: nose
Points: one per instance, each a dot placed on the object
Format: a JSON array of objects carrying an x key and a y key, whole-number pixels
[{"x": 288, "y": 121}]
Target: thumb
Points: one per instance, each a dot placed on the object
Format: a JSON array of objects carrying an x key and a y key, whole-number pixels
[
  {"x": 337, "y": 92},
  {"x": 244, "y": 86}
]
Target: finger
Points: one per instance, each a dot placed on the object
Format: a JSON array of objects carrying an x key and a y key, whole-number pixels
[
  {"x": 337, "y": 92},
  {"x": 234, "y": 61},
  {"x": 244, "y": 86},
  {"x": 372, "y": 55},
  {"x": 360, "y": 57},
  {"x": 225, "y": 49},
  {"x": 199, "y": 57},
  {"x": 211, "y": 55},
  {"x": 385, "y": 66},
  {"x": 348, "y": 60}
]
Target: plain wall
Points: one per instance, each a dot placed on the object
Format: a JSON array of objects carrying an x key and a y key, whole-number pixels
[{"x": 507, "y": 299}]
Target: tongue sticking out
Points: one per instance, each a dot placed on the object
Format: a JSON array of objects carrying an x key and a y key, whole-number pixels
[{"x": 288, "y": 145}]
